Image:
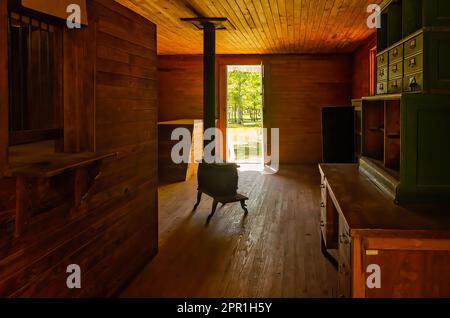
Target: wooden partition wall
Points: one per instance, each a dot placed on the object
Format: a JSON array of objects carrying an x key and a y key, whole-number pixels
[
  {"x": 296, "y": 87},
  {"x": 361, "y": 69},
  {"x": 110, "y": 106},
  {"x": 3, "y": 87}
]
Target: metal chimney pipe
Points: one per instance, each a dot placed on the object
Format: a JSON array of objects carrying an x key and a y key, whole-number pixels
[{"x": 209, "y": 77}]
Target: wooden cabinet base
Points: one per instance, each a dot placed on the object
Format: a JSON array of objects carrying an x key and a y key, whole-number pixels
[{"x": 386, "y": 250}]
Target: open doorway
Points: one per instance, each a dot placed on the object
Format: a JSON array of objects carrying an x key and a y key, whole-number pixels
[{"x": 245, "y": 116}]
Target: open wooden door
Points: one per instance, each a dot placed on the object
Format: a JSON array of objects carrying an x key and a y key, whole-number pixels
[
  {"x": 222, "y": 84},
  {"x": 223, "y": 109},
  {"x": 265, "y": 69}
]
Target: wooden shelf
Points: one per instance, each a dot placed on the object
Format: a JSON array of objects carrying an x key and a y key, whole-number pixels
[
  {"x": 393, "y": 135},
  {"x": 383, "y": 97},
  {"x": 376, "y": 129},
  {"x": 381, "y": 137},
  {"x": 40, "y": 160},
  {"x": 37, "y": 164}
]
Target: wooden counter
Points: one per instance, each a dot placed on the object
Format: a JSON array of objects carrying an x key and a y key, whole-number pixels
[
  {"x": 368, "y": 210},
  {"x": 363, "y": 226}
]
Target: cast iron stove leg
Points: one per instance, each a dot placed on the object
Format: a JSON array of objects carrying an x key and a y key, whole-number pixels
[
  {"x": 214, "y": 206},
  {"x": 199, "y": 198},
  {"x": 244, "y": 206}
]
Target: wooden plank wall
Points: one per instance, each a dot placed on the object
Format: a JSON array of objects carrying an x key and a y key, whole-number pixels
[
  {"x": 3, "y": 87},
  {"x": 297, "y": 86},
  {"x": 115, "y": 232},
  {"x": 79, "y": 89},
  {"x": 180, "y": 87},
  {"x": 361, "y": 80},
  {"x": 180, "y": 84}
]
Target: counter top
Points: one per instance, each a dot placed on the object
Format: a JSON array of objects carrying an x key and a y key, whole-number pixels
[{"x": 368, "y": 210}]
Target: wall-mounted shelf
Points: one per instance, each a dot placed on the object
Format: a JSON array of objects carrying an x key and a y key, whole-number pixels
[
  {"x": 52, "y": 165},
  {"x": 46, "y": 180}
]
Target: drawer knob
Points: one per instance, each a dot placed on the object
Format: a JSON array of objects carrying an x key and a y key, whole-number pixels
[
  {"x": 395, "y": 52},
  {"x": 344, "y": 239},
  {"x": 413, "y": 44},
  {"x": 382, "y": 72},
  {"x": 395, "y": 85},
  {"x": 395, "y": 68},
  {"x": 412, "y": 62},
  {"x": 381, "y": 86}
]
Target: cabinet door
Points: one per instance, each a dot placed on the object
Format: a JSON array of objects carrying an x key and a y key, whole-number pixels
[
  {"x": 436, "y": 13},
  {"x": 436, "y": 62},
  {"x": 425, "y": 172},
  {"x": 345, "y": 266},
  {"x": 409, "y": 273}
]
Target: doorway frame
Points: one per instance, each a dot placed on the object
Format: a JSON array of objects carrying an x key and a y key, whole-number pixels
[{"x": 223, "y": 92}]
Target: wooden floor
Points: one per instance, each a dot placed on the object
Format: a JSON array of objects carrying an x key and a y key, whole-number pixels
[{"x": 273, "y": 252}]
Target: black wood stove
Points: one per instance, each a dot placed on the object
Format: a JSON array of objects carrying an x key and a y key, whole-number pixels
[{"x": 218, "y": 180}]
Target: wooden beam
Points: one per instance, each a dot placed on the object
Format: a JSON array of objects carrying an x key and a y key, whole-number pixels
[{"x": 4, "y": 138}]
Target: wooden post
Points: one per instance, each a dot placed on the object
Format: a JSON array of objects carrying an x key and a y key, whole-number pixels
[{"x": 4, "y": 135}]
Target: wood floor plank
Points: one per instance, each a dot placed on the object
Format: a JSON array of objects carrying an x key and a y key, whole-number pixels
[{"x": 273, "y": 252}]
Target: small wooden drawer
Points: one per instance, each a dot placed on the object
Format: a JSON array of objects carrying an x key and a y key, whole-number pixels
[
  {"x": 382, "y": 59},
  {"x": 382, "y": 88},
  {"x": 413, "y": 64},
  {"x": 323, "y": 220},
  {"x": 396, "y": 70},
  {"x": 414, "y": 46},
  {"x": 395, "y": 86},
  {"x": 323, "y": 188},
  {"x": 382, "y": 74},
  {"x": 413, "y": 82},
  {"x": 396, "y": 54}
]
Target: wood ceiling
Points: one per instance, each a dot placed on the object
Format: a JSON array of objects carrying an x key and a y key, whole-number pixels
[{"x": 261, "y": 26}]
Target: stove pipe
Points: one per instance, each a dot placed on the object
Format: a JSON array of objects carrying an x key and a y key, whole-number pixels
[{"x": 209, "y": 78}]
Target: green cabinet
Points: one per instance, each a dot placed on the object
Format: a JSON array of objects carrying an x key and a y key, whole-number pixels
[
  {"x": 417, "y": 33},
  {"x": 425, "y": 148},
  {"x": 406, "y": 146},
  {"x": 406, "y": 127}
]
